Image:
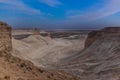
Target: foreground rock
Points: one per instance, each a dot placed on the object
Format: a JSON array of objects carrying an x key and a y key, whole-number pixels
[
  {"x": 5, "y": 37},
  {"x": 16, "y": 69}
]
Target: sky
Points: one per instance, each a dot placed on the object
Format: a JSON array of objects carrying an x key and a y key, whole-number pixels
[{"x": 60, "y": 14}]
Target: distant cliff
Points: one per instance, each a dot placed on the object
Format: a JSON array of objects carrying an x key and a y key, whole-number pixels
[{"x": 94, "y": 35}]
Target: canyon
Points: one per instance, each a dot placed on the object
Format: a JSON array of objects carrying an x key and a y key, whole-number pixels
[
  {"x": 59, "y": 55},
  {"x": 14, "y": 68}
]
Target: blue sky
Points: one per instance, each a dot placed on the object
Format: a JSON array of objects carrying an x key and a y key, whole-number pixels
[{"x": 60, "y": 14}]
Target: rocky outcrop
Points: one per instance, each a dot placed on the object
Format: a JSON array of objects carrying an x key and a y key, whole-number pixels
[
  {"x": 5, "y": 37},
  {"x": 36, "y": 31}
]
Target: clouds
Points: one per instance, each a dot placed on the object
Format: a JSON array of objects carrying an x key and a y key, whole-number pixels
[
  {"x": 93, "y": 16},
  {"x": 21, "y": 7},
  {"x": 18, "y": 5},
  {"x": 110, "y": 7},
  {"x": 51, "y": 3}
]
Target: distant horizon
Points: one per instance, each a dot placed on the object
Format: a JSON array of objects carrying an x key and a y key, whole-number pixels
[
  {"x": 57, "y": 28},
  {"x": 53, "y": 29},
  {"x": 63, "y": 29}
]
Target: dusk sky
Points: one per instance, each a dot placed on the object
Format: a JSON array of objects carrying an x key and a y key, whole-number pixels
[{"x": 60, "y": 14}]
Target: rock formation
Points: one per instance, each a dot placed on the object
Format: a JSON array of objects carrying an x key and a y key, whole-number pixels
[
  {"x": 5, "y": 37},
  {"x": 36, "y": 31}
]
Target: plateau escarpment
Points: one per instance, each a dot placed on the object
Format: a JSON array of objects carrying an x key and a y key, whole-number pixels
[
  {"x": 100, "y": 60},
  {"x": 94, "y": 35}
]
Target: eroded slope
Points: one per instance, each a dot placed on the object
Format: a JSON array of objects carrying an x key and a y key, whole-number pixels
[
  {"x": 44, "y": 51},
  {"x": 100, "y": 60}
]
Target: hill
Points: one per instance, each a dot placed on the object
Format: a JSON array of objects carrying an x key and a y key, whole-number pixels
[{"x": 100, "y": 60}]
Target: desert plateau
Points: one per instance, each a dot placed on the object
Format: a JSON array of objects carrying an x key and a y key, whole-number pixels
[
  {"x": 74, "y": 55},
  {"x": 59, "y": 39}
]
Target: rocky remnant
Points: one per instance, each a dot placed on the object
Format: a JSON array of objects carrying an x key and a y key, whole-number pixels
[
  {"x": 5, "y": 37},
  {"x": 36, "y": 31}
]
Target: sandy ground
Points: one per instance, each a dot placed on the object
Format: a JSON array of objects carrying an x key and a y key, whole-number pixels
[{"x": 44, "y": 51}]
